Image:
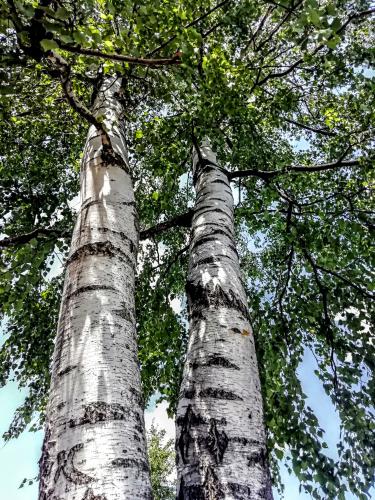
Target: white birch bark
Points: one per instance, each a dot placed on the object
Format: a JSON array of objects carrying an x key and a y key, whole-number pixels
[
  {"x": 95, "y": 446},
  {"x": 221, "y": 447}
]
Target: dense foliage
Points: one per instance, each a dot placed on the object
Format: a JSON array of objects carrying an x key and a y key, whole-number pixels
[{"x": 284, "y": 91}]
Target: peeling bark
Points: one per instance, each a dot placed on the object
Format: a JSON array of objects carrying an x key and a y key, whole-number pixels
[
  {"x": 95, "y": 447},
  {"x": 221, "y": 448}
]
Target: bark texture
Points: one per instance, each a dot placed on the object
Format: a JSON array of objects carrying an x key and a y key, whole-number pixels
[
  {"x": 221, "y": 447},
  {"x": 94, "y": 447}
]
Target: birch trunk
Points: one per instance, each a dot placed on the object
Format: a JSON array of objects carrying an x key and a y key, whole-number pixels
[
  {"x": 221, "y": 447},
  {"x": 94, "y": 447}
]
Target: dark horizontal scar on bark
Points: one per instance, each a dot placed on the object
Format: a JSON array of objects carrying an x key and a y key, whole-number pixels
[
  {"x": 211, "y": 238},
  {"x": 103, "y": 248},
  {"x": 100, "y": 412},
  {"x": 216, "y": 210},
  {"x": 212, "y": 260},
  {"x": 219, "y": 181},
  {"x": 90, "y": 288},
  {"x": 240, "y": 490},
  {"x": 211, "y": 392},
  {"x": 89, "y": 204},
  {"x": 131, "y": 463},
  {"x": 121, "y": 234},
  {"x": 201, "y": 297},
  {"x": 210, "y": 224},
  {"x": 125, "y": 313},
  {"x": 214, "y": 361},
  {"x": 216, "y": 232}
]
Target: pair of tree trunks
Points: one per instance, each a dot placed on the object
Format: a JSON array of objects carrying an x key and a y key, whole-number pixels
[{"x": 95, "y": 446}]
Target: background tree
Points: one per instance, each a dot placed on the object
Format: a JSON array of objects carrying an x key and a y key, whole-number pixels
[
  {"x": 161, "y": 456},
  {"x": 284, "y": 92}
]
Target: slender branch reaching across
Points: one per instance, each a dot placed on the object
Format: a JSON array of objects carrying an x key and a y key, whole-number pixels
[
  {"x": 182, "y": 220},
  {"x": 267, "y": 175},
  {"x": 346, "y": 280},
  {"x": 357, "y": 15},
  {"x": 320, "y": 131},
  {"x": 170, "y": 61},
  {"x": 21, "y": 239}
]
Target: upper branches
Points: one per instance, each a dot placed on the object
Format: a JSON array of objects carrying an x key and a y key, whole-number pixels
[
  {"x": 152, "y": 63},
  {"x": 271, "y": 174}
]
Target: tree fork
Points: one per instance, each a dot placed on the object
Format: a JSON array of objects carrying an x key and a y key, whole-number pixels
[{"x": 220, "y": 442}]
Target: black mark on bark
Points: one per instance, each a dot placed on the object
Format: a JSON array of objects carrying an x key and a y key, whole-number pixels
[
  {"x": 220, "y": 181},
  {"x": 125, "y": 313},
  {"x": 121, "y": 234},
  {"x": 212, "y": 392},
  {"x": 189, "y": 420},
  {"x": 217, "y": 442},
  {"x": 215, "y": 361},
  {"x": 90, "y": 288},
  {"x": 201, "y": 297},
  {"x": 89, "y": 495},
  {"x": 65, "y": 465},
  {"x": 213, "y": 210},
  {"x": 212, "y": 260},
  {"x": 102, "y": 248},
  {"x": 100, "y": 412},
  {"x": 189, "y": 393},
  {"x": 239, "y": 491},
  {"x": 212, "y": 489},
  {"x": 111, "y": 158},
  {"x": 257, "y": 458},
  {"x": 245, "y": 441},
  {"x": 137, "y": 397},
  {"x": 219, "y": 228},
  {"x": 67, "y": 370},
  {"x": 130, "y": 463},
  {"x": 213, "y": 236}
]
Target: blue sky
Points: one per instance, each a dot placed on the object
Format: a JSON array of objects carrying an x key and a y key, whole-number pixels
[{"x": 19, "y": 458}]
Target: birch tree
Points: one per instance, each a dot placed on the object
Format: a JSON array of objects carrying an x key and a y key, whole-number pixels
[
  {"x": 283, "y": 93},
  {"x": 221, "y": 436}
]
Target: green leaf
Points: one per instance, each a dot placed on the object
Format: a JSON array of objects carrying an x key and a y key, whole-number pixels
[
  {"x": 332, "y": 43},
  {"x": 48, "y": 44}
]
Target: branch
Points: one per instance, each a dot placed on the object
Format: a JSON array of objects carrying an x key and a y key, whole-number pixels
[
  {"x": 64, "y": 70},
  {"x": 347, "y": 281},
  {"x": 320, "y": 131},
  {"x": 270, "y": 174},
  {"x": 182, "y": 220},
  {"x": 60, "y": 65},
  {"x": 171, "y": 61},
  {"x": 189, "y": 25},
  {"x": 357, "y": 15},
  {"x": 21, "y": 239},
  {"x": 276, "y": 29}
]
